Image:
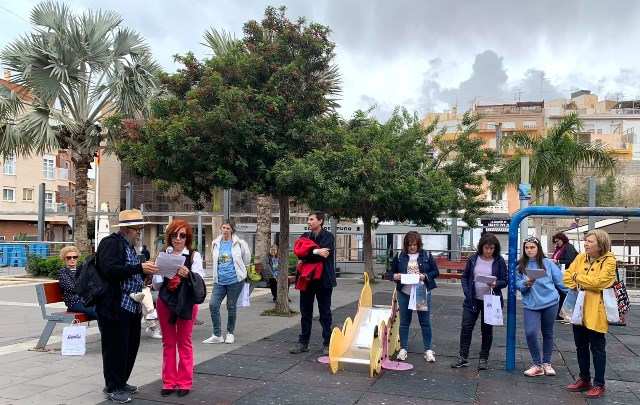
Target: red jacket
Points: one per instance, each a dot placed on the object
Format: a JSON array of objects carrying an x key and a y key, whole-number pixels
[{"x": 307, "y": 271}]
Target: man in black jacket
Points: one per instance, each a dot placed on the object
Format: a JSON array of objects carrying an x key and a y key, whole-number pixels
[
  {"x": 320, "y": 289},
  {"x": 119, "y": 315}
]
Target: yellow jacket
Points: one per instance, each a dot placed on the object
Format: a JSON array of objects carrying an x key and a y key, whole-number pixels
[{"x": 593, "y": 278}]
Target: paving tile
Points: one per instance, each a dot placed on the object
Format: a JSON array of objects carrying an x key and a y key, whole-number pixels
[
  {"x": 251, "y": 367},
  {"x": 319, "y": 375},
  {"x": 298, "y": 394},
  {"x": 375, "y": 398},
  {"x": 432, "y": 386}
]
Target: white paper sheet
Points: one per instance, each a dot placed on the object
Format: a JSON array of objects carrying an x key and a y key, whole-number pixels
[
  {"x": 535, "y": 274},
  {"x": 410, "y": 278},
  {"x": 168, "y": 265},
  {"x": 485, "y": 279}
]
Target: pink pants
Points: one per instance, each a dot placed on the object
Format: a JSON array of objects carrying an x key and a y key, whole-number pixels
[{"x": 176, "y": 374}]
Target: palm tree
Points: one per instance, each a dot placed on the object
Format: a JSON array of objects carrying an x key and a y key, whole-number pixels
[
  {"x": 77, "y": 70},
  {"x": 555, "y": 159}
]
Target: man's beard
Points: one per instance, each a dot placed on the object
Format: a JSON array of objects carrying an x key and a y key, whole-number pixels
[{"x": 133, "y": 242}]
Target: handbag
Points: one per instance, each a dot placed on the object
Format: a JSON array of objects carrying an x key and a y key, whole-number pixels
[
  {"x": 578, "y": 310},
  {"x": 568, "y": 305},
  {"x": 74, "y": 340},
  {"x": 418, "y": 297},
  {"x": 243, "y": 298},
  {"x": 493, "y": 310},
  {"x": 610, "y": 305},
  {"x": 616, "y": 298}
]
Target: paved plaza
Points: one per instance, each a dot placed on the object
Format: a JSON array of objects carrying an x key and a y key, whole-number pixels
[{"x": 258, "y": 369}]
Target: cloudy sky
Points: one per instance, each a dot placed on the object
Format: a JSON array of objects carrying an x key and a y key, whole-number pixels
[{"x": 426, "y": 55}]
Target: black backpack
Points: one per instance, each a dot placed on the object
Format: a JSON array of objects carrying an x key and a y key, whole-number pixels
[{"x": 90, "y": 285}]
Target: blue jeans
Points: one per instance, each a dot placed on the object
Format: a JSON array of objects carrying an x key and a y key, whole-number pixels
[
  {"x": 79, "y": 307},
  {"x": 540, "y": 319},
  {"x": 232, "y": 292},
  {"x": 424, "y": 317}
]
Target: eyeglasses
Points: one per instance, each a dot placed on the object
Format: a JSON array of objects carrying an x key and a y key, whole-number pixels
[
  {"x": 72, "y": 257},
  {"x": 138, "y": 230},
  {"x": 532, "y": 239},
  {"x": 182, "y": 235}
]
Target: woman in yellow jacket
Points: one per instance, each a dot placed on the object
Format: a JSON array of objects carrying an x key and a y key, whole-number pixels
[{"x": 592, "y": 271}]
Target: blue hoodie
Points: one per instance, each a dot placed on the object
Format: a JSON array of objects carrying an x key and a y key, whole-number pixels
[{"x": 542, "y": 294}]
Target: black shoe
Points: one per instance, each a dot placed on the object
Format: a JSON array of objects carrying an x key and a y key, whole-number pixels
[
  {"x": 274, "y": 299},
  {"x": 460, "y": 363},
  {"x": 325, "y": 350},
  {"x": 483, "y": 364},
  {"x": 289, "y": 299},
  {"x": 299, "y": 348},
  {"x": 165, "y": 392},
  {"x": 183, "y": 393},
  {"x": 130, "y": 389},
  {"x": 118, "y": 396}
]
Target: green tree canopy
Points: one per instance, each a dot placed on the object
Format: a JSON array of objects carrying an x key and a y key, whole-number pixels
[{"x": 73, "y": 71}]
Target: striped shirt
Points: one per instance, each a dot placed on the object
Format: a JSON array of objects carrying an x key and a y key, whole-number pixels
[{"x": 134, "y": 282}]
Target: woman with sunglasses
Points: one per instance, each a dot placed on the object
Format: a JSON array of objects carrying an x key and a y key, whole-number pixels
[
  {"x": 487, "y": 262},
  {"x": 66, "y": 277},
  {"x": 540, "y": 301},
  {"x": 177, "y": 330},
  {"x": 230, "y": 256},
  {"x": 592, "y": 271}
]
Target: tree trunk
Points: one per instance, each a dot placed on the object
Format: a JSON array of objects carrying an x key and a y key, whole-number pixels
[
  {"x": 82, "y": 176},
  {"x": 368, "y": 247},
  {"x": 282, "y": 303},
  {"x": 263, "y": 226},
  {"x": 551, "y": 223}
]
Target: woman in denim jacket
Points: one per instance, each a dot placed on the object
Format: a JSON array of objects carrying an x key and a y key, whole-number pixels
[{"x": 414, "y": 259}]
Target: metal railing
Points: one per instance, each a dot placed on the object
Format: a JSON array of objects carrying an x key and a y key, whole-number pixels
[{"x": 14, "y": 255}]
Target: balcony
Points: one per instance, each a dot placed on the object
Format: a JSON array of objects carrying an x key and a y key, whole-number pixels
[
  {"x": 56, "y": 207},
  {"x": 62, "y": 174},
  {"x": 498, "y": 207}
]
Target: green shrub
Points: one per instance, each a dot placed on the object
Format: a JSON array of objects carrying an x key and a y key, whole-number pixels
[
  {"x": 46, "y": 266},
  {"x": 293, "y": 263}
]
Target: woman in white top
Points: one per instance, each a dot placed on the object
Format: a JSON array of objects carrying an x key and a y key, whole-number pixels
[{"x": 176, "y": 331}]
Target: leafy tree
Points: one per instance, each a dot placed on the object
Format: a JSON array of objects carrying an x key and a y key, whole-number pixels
[
  {"x": 381, "y": 172},
  {"x": 74, "y": 70},
  {"x": 235, "y": 115},
  {"x": 606, "y": 194}
]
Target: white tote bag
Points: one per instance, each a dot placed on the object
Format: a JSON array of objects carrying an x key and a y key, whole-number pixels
[
  {"x": 243, "y": 298},
  {"x": 74, "y": 340},
  {"x": 493, "y": 310},
  {"x": 611, "y": 305},
  {"x": 412, "y": 298},
  {"x": 578, "y": 310}
]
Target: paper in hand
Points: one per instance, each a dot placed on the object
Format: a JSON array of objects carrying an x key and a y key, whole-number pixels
[
  {"x": 168, "y": 265},
  {"x": 410, "y": 278},
  {"x": 485, "y": 279},
  {"x": 535, "y": 274}
]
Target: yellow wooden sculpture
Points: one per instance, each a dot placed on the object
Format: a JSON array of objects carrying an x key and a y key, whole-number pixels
[{"x": 370, "y": 338}]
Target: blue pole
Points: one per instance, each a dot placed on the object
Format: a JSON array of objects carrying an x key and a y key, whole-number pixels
[{"x": 513, "y": 252}]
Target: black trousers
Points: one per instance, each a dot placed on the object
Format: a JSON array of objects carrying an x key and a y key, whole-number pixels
[
  {"x": 586, "y": 339},
  {"x": 273, "y": 285},
  {"x": 314, "y": 291},
  {"x": 120, "y": 342},
  {"x": 469, "y": 319}
]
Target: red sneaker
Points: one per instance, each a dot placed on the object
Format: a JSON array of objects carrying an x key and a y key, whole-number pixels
[
  {"x": 579, "y": 385},
  {"x": 595, "y": 392}
]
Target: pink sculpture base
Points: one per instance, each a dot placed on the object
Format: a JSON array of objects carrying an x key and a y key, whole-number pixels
[
  {"x": 323, "y": 359},
  {"x": 396, "y": 365}
]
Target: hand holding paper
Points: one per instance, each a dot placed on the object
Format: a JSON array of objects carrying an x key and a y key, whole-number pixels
[
  {"x": 535, "y": 274},
  {"x": 168, "y": 265},
  {"x": 410, "y": 278},
  {"x": 485, "y": 279}
]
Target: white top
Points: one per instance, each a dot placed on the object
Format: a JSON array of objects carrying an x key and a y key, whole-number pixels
[
  {"x": 485, "y": 268},
  {"x": 196, "y": 267}
]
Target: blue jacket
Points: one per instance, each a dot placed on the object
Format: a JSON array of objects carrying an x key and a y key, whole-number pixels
[
  {"x": 426, "y": 263},
  {"x": 498, "y": 270},
  {"x": 542, "y": 294}
]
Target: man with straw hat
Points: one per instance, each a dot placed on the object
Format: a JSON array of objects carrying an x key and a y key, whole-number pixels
[{"x": 119, "y": 315}]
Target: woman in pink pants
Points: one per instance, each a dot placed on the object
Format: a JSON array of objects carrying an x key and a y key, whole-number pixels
[{"x": 176, "y": 322}]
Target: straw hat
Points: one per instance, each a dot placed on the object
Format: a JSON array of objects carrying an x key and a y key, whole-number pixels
[{"x": 130, "y": 218}]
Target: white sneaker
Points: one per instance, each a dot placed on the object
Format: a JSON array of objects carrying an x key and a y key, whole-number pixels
[
  {"x": 153, "y": 333},
  {"x": 213, "y": 339},
  {"x": 429, "y": 356},
  {"x": 152, "y": 315},
  {"x": 402, "y": 355},
  {"x": 230, "y": 338},
  {"x": 137, "y": 297}
]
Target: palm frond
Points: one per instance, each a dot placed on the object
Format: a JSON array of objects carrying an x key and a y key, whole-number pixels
[
  {"x": 51, "y": 16},
  {"x": 220, "y": 42}
]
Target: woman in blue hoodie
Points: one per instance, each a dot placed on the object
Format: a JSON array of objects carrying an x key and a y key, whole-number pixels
[{"x": 540, "y": 301}]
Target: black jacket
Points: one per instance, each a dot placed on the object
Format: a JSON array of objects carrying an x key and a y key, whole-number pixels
[
  {"x": 113, "y": 269},
  {"x": 188, "y": 293},
  {"x": 324, "y": 239},
  {"x": 498, "y": 270},
  {"x": 567, "y": 256}
]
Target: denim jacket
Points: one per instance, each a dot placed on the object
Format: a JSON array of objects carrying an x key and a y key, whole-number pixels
[
  {"x": 498, "y": 270},
  {"x": 426, "y": 263}
]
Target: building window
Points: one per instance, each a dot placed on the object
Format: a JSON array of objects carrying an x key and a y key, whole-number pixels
[
  {"x": 48, "y": 201},
  {"x": 491, "y": 125},
  {"x": 530, "y": 124},
  {"x": 48, "y": 166},
  {"x": 10, "y": 165},
  {"x": 27, "y": 194},
  {"x": 508, "y": 125},
  {"x": 9, "y": 194}
]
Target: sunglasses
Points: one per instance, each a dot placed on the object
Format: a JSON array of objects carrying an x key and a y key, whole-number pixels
[
  {"x": 138, "y": 230},
  {"x": 532, "y": 239},
  {"x": 175, "y": 235},
  {"x": 72, "y": 257}
]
